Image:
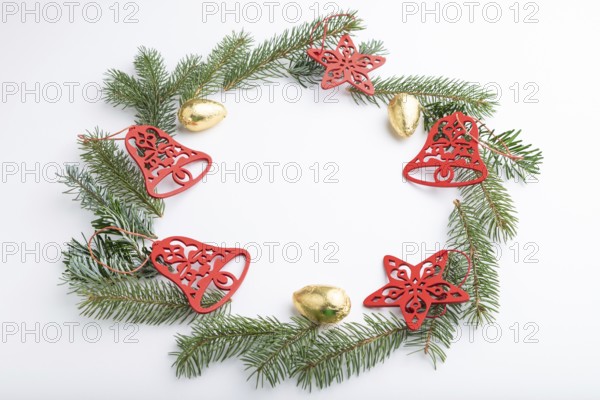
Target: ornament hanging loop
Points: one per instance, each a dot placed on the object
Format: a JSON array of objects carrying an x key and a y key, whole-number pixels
[
  {"x": 325, "y": 23},
  {"x": 87, "y": 139},
  {"x": 116, "y": 228}
]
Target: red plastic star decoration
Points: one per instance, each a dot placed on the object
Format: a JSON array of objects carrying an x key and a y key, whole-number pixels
[
  {"x": 346, "y": 64},
  {"x": 415, "y": 288}
]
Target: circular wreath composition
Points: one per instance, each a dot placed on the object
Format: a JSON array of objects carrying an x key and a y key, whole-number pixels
[{"x": 110, "y": 184}]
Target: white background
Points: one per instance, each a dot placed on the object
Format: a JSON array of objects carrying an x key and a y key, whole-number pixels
[{"x": 370, "y": 212}]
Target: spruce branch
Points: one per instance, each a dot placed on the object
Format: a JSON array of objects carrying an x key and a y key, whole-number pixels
[
  {"x": 228, "y": 52},
  {"x": 432, "y": 112},
  {"x": 153, "y": 91},
  {"x": 492, "y": 205},
  {"x": 137, "y": 301},
  {"x": 82, "y": 184},
  {"x": 436, "y": 334},
  {"x": 349, "y": 349},
  {"x": 465, "y": 233},
  {"x": 219, "y": 338},
  {"x": 523, "y": 169},
  {"x": 267, "y": 60},
  {"x": 474, "y": 99},
  {"x": 113, "y": 170},
  {"x": 272, "y": 359}
]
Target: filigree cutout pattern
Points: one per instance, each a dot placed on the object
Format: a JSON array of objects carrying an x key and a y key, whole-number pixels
[
  {"x": 346, "y": 64},
  {"x": 196, "y": 267},
  {"x": 159, "y": 156},
  {"x": 452, "y": 144},
  {"x": 415, "y": 288}
]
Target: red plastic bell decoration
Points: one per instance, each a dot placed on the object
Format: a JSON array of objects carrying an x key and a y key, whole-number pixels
[
  {"x": 452, "y": 146},
  {"x": 160, "y": 157},
  {"x": 195, "y": 267}
]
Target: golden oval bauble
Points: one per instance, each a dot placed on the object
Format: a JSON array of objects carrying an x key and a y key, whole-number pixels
[
  {"x": 322, "y": 304},
  {"x": 200, "y": 114},
  {"x": 404, "y": 112}
]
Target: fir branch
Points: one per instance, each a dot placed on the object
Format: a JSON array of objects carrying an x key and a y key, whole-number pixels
[
  {"x": 221, "y": 337},
  {"x": 349, "y": 349},
  {"x": 154, "y": 91},
  {"x": 492, "y": 204},
  {"x": 475, "y": 99},
  {"x": 272, "y": 359},
  {"x": 465, "y": 233},
  {"x": 82, "y": 184},
  {"x": 137, "y": 301},
  {"x": 266, "y": 61},
  {"x": 121, "y": 254},
  {"x": 183, "y": 77},
  {"x": 113, "y": 170},
  {"x": 432, "y": 112},
  {"x": 108, "y": 210},
  {"x": 510, "y": 141},
  {"x": 228, "y": 52},
  {"x": 436, "y": 334}
]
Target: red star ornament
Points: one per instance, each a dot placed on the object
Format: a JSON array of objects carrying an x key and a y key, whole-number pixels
[
  {"x": 346, "y": 64},
  {"x": 415, "y": 288}
]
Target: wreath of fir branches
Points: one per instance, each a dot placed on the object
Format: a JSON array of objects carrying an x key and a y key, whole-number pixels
[{"x": 109, "y": 185}]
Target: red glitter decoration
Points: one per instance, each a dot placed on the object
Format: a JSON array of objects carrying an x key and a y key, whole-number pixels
[
  {"x": 346, "y": 64},
  {"x": 195, "y": 267},
  {"x": 415, "y": 288},
  {"x": 160, "y": 156},
  {"x": 452, "y": 145}
]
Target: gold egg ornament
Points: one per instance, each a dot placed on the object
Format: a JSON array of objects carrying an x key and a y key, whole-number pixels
[
  {"x": 199, "y": 114},
  {"x": 404, "y": 113},
  {"x": 322, "y": 304}
]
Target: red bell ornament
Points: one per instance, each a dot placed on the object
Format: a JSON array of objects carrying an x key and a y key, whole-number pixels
[
  {"x": 162, "y": 158},
  {"x": 452, "y": 145},
  {"x": 415, "y": 288},
  {"x": 195, "y": 267}
]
